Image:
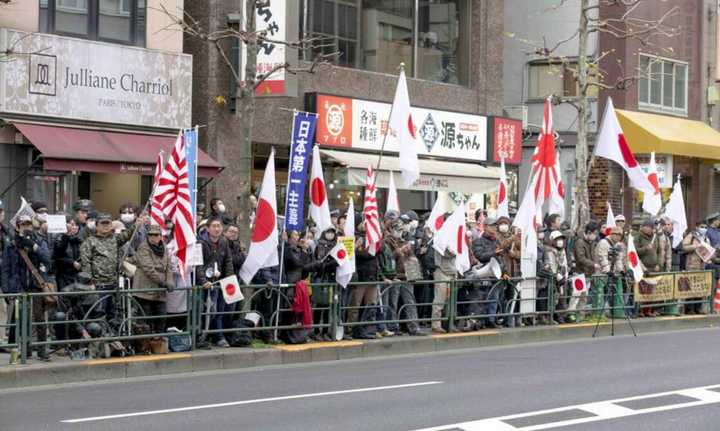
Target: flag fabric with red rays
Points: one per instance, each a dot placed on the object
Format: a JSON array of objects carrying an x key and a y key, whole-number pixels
[
  {"x": 173, "y": 193},
  {"x": 544, "y": 160},
  {"x": 373, "y": 228},
  {"x": 156, "y": 214},
  {"x": 502, "y": 199},
  {"x": 557, "y": 197}
]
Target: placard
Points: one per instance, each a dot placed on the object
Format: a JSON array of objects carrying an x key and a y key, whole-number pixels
[
  {"x": 693, "y": 284},
  {"x": 56, "y": 223},
  {"x": 655, "y": 289},
  {"x": 349, "y": 243},
  {"x": 197, "y": 255}
]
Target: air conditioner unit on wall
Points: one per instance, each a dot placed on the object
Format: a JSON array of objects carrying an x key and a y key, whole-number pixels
[{"x": 518, "y": 112}]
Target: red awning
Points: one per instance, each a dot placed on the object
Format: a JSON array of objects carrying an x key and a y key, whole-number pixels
[{"x": 68, "y": 149}]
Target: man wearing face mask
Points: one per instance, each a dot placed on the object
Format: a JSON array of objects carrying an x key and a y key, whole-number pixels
[
  {"x": 693, "y": 261},
  {"x": 407, "y": 269},
  {"x": 17, "y": 277},
  {"x": 585, "y": 263},
  {"x": 219, "y": 210},
  {"x": 556, "y": 263},
  {"x": 66, "y": 254},
  {"x": 100, "y": 257}
]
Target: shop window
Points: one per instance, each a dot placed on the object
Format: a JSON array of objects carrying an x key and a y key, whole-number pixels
[
  {"x": 119, "y": 21},
  {"x": 431, "y": 38},
  {"x": 662, "y": 85}
]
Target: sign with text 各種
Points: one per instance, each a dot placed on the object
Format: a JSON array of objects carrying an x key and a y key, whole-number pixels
[
  {"x": 68, "y": 78},
  {"x": 362, "y": 124}
]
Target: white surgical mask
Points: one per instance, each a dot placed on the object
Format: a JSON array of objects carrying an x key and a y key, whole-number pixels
[
  {"x": 560, "y": 244},
  {"x": 221, "y": 208},
  {"x": 504, "y": 228},
  {"x": 127, "y": 218},
  {"x": 91, "y": 224}
]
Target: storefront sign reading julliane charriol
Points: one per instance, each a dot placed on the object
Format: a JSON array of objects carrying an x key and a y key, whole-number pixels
[{"x": 82, "y": 80}]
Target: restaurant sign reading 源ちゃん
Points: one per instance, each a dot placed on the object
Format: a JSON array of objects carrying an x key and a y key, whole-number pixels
[
  {"x": 361, "y": 124},
  {"x": 69, "y": 78}
]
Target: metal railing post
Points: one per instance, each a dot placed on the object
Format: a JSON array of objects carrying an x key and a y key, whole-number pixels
[
  {"x": 551, "y": 298},
  {"x": 451, "y": 304},
  {"x": 25, "y": 322},
  {"x": 333, "y": 312}
]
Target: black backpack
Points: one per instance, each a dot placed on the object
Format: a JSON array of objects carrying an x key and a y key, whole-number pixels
[{"x": 241, "y": 338}]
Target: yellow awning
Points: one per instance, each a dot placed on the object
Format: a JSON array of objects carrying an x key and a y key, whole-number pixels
[{"x": 664, "y": 134}]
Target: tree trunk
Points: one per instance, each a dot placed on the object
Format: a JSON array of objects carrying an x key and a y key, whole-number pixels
[
  {"x": 581, "y": 207},
  {"x": 247, "y": 120}
]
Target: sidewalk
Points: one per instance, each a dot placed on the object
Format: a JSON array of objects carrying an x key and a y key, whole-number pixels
[{"x": 63, "y": 370}]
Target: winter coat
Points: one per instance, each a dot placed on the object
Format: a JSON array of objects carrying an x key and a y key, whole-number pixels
[
  {"x": 215, "y": 253},
  {"x": 152, "y": 272},
  {"x": 14, "y": 273},
  {"x": 426, "y": 254},
  {"x": 65, "y": 253},
  {"x": 100, "y": 256},
  {"x": 556, "y": 262},
  {"x": 602, "y": 257},
  {"x": 484, "y": 249},
  {"x": 648, "y": 249},
  {"x": 296, "y": 259},
  {"x": 324, "y": 265},
  {"x": 666, "y": 251},
  {"x": 690, "y": 243},
  {"x": 445, "y": 262},
  {"x": 584, "y": 256},
  {"x": 366, "y": 265}
]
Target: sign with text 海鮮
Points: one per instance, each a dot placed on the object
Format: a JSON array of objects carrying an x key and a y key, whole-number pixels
[
  {"x": 76, "y": 79},
  {"x": 362, "y": 124}
]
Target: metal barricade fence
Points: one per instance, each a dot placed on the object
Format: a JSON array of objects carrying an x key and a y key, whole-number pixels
[{"x": 470, "y": 304}]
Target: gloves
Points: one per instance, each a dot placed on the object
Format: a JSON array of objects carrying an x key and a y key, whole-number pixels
[{"x": 26, "y": 243}]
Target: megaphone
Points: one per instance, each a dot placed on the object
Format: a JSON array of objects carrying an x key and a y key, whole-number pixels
[{"x": 492, "y": 269}]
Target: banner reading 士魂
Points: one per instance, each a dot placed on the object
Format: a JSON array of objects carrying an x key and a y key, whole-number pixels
[
  {"x": 302, "y": 139},
  {"x": 693, "y": 284}
]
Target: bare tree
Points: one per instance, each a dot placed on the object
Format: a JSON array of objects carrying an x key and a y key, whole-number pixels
[
  {"x": 251, "y": 38},
  {"x": 589, "y": 75}
]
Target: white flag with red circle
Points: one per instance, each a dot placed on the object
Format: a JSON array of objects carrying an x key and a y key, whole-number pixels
[
  {"x": 263, "y": 251},
  {"x": 340, "y": 254},
  {"x": 611, "y": 144},
  {"x": 231, "y": 289},
  {"x": 319, "y": 206},
  {"x": 452, "y": 237},
  {"x": 634, "y": 260},
  {"x": 579, "y": 284},
  {"x": 609, "y": 221},
  {"x": 344, "y": 273},
  {"x": 437, "y": 217},
  {"x": 652, "y": 202},
  {"x": 502, "y": 199},
  {"x": 402, "y": 126}
]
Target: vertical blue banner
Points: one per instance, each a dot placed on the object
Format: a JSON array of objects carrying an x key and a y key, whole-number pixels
[
  {"x": 191, "y": 150},
  {"x": 302, "y": 139}
]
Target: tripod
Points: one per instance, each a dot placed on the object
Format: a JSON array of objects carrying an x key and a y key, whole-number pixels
[{"x": 613, "y": 281}]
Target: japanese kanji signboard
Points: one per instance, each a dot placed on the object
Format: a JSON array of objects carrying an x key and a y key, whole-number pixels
[
  {"x": 506, "y": 138},
  {"x": 361, "y": 124}
]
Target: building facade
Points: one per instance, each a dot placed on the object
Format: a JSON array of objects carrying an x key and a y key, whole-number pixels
[
  {"x": 452, "y": 54},
  {"x": 90, "y": 92}
]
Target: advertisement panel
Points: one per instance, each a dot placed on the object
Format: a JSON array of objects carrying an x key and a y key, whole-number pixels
[{"x": 85, "y": 80}]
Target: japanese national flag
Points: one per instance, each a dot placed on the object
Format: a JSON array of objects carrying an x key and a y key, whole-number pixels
[
  {"x": 437, "y": 217},
  {"x": 611, "y": 144},
  {"x": 609, "y": 221},
  {"x": 652, "y": 202},
  {"x": 634, "y": 260},
  {"x": 231, "y": 289},
  {"x": 263, "y": 251},
  {"x": 675, "y": 210},
  {"x": 393, "y": 203},
  {"x": 402, "y": 127},
  {"x": 452, "y": 237},
  {"x": 319, "y": 207},
  {"x": 579, "y": 284},
  {"x": 502, "y": 199},
  {"x": 340, "y": 254}
]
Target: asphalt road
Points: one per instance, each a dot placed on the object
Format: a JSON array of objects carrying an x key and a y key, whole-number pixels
[{"x": 406, "y": 393}]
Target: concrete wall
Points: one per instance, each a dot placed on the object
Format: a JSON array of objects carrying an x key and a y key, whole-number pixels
[
  {"x": 21, "y": 15},
  {"x": 158, "y": 35}
]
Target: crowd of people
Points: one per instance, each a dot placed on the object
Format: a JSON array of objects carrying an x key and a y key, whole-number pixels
[{"x": 405, "y": 280}]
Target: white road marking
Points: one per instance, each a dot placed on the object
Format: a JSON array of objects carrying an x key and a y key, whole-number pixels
[
  {"x": 603, "y": 410},
  {"x": 244, "y": 402}
]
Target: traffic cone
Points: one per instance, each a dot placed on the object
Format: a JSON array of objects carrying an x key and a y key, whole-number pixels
[{"x": 716, "y": 301}]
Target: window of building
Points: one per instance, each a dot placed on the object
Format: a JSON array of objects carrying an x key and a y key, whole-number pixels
[
  {"x": 431, "y": 38},
  {"x": 545, "y": 79},
  {"x": 662, "y": 85},
  {"x": 119, "y": 21}
]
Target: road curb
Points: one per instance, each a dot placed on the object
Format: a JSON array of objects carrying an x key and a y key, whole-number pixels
[{"x": 35, "y": 374}]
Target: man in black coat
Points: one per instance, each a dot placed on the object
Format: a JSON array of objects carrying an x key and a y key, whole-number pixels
[{"x": 486, "y": 247}]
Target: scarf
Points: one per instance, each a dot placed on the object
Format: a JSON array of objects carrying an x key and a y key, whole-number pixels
[{"x": 158, "y": 250}]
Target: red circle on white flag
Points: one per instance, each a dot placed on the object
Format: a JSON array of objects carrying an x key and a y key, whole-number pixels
[
  {"x": 633, "y": 258},
  {"x": 439, "y": 222},
  {"x": 264, "y": 221},
  {"x": 460, "y": 240},
  {"x": 230, "y": 289},
  {"x": 341, "y": 253},
  {"x": 411, "y": 126},
  {"x": 502, "y": 193},
  {"x": 317, "y": 192},
  {"x": 626, "y": 152},
  {"x": 579, "y": 285}
]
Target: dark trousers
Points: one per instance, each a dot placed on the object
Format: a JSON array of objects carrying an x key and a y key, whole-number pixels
[
  {"x": 108, "y": 305},
  {"x": 38, "y": 316},
  {"x": 153, "y": 309}
]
